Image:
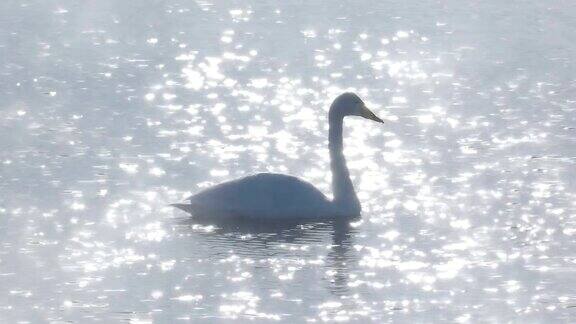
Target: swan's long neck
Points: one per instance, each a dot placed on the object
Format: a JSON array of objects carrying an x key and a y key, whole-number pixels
[{"x": 345, "y": 197}]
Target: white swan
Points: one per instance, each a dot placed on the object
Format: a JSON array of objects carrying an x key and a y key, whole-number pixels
[{"x": 277, "y": 196}]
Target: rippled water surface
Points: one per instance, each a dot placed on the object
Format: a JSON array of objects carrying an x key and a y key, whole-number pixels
[{"x": 111, "y": 110}]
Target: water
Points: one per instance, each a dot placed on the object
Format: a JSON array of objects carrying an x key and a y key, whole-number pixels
[{"x": 111, "y": 110}]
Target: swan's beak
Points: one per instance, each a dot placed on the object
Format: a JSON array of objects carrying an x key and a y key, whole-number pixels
[{"x": 366, "y": 113}]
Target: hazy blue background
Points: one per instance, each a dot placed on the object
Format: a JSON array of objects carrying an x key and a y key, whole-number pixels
[{"x": 110, "y": 110}]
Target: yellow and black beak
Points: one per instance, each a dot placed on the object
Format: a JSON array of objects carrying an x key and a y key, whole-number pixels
[{"x": 366, "y": 113}]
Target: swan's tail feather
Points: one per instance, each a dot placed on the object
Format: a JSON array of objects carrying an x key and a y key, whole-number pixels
[{"x": 185, "y": 207}]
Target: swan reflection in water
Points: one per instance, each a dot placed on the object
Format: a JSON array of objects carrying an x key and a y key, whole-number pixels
[
  {"x": 268, "y": 196},
  {"x": 253, "y": 238}
]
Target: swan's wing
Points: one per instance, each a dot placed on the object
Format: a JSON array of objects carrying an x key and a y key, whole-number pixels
[{"x": 276, "y": 195}]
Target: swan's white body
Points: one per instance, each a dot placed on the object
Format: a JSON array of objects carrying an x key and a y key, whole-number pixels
[
  {"x": 278, "y": 196},
  {"x": 264, "y": 195}
]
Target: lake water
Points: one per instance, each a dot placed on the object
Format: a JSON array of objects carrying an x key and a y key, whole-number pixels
[{"x": 111, "y": 110}]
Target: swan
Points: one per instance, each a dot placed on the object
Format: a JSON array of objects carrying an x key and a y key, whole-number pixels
[{"x": 282, "y": 197}]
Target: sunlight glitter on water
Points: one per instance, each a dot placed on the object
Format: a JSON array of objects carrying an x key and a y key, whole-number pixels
[{"x": 466, "y": 187}]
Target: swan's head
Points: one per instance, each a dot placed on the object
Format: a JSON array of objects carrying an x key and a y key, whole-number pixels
[{"x": 349, "y": 104}]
